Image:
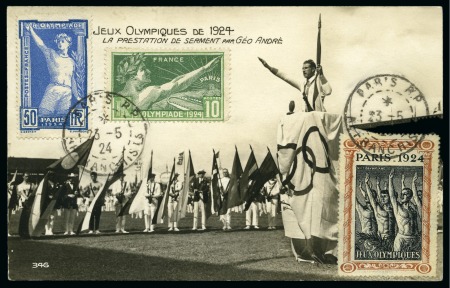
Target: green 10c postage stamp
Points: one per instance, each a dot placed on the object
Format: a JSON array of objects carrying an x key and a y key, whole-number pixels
[{"x": 168, "y": 86}]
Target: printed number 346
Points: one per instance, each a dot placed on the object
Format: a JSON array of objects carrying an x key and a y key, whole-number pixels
[{"x": 40, "y": 265}]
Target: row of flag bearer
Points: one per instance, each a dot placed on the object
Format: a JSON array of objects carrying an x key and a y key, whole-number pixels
[{"x": 242, "y": 187}]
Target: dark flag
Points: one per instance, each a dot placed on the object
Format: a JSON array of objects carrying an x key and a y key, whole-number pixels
[
  {"x": 223, "y": 191},
  {"x": 12, "y": 188},
  {"x": 208, "y": 206},
  {"x": 150, "y": 169},
  {"x": 77, "y": 157},
  {"x": 266, "y": 171},
  {"x": 234, "y": 195},
  {"x": 119, "y": 170},
  {"x": 216, "y": 200},
  {"x": 33, "y": 218},
  {"x": 188, "y": 179},
  {"x": 24, "y": 220},
  {"x": 84, "y": 224},
  {"x": 162, "y": 212},
  {"x": 250, "y": 168},
  {"x": 129, "y": 204}
]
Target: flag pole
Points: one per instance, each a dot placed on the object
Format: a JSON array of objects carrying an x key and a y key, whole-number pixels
[
  {"x": 218, "y": 172},
  {"x": 319, "y": 46}
]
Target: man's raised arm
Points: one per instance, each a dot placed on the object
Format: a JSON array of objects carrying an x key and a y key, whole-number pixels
[
  {"x": 378, "y": 188},
  {"x": 392, "y": 194},
  {"x": 415, "y": 196},
  {"x": 369, "y": 193},
  {"x": 403, "y": 182},
  {"x": 359, "y": 206},
  {"x": 280, "y": 75}
]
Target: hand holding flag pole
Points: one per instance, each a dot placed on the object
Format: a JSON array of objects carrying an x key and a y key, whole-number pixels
[
  {"x": 319, "y": 69},
  {"x": 218, "y": 175},
  {"x": 319, "y": 47}
]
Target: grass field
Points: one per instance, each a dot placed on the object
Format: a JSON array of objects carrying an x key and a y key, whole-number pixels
[{"x": 186, "y": 255}]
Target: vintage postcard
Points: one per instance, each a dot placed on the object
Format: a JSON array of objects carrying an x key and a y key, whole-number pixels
[{"x": 235, "y": 141}]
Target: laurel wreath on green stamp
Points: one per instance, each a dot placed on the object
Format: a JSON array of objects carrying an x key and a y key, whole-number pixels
[{"x": 129, "y": 66}]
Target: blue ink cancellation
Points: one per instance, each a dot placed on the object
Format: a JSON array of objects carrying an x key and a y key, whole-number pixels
[{"x": 53, "y": 74}]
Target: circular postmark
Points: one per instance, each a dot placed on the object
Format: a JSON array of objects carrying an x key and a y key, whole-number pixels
[
  {"x": 383, "y": 99},
  {"x": 112, "y": 139}
]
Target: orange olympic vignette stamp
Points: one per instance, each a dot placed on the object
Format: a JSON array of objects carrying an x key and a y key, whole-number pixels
[{"x": 387, "y": 210}]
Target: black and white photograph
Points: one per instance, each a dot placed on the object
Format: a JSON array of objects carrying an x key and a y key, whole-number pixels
[{"x": 226, "y": 143}]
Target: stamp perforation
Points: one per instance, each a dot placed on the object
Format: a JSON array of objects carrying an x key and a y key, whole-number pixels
[{"x": 45, "y": 134}]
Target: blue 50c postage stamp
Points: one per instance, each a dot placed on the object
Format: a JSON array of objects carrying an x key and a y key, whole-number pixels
[
  {"x": 53, "y": 74},
  {"x": 169, "y": 86}
]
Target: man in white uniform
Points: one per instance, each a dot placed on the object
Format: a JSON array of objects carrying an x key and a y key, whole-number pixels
[
  {"x": 174, "y": 192},
  {"x": 224, "y": 182},
  {"x": 271, "y": 192},
  {"x": 201, "y": 189},
  {"x": 91, "y": 192},
  {"x": 70, "y": 193},
  {"x": 52, "y": 187},
  {"x": 121, "y": 193},
  {"x": 152, "y": 194},
  {"x": 314, "y": 88},
  {"x": 252, "y": 213},
  {"x": 25, "y": 188}
]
